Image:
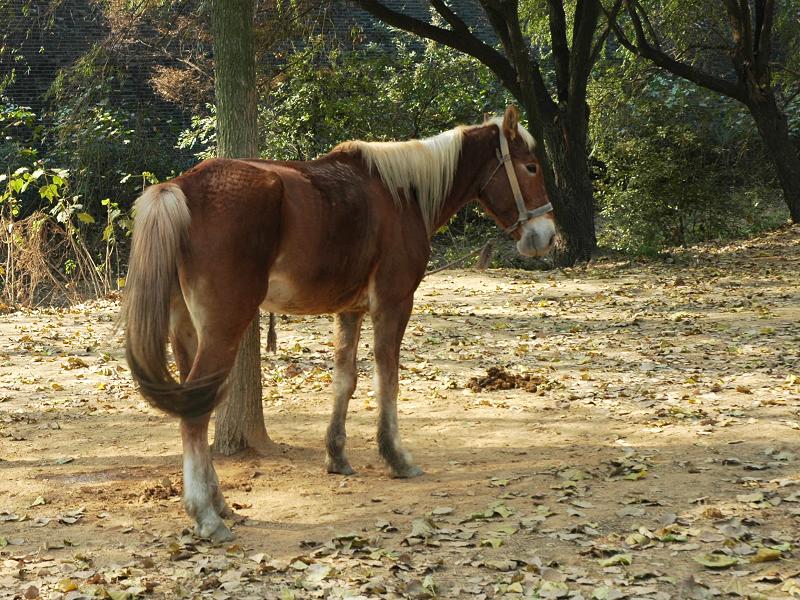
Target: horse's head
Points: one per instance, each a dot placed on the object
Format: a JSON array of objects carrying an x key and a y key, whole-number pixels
[{"x": 513, "y": 190}]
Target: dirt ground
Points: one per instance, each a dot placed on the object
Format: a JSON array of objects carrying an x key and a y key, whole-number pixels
[{"x": 656, "y": 454}]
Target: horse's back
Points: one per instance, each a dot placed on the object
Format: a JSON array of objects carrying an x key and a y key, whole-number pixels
[
  {"x": 316, "y": 235},
  {"x": 329, "y": 240},
  {"x": 235, "y": 224}
]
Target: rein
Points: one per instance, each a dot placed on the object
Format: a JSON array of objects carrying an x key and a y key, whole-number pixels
[
  {"x": 461, "y": 259},
  {"x": 504, "y": 160}
]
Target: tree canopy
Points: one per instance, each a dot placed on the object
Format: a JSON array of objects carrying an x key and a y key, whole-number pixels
[{"x": 656, "y": 123}]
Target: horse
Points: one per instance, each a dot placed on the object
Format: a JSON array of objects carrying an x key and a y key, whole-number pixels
[{"x": 348, "y": 233}]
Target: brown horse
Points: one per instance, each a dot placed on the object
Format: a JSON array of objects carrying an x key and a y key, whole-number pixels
[{"x": 348, "y": 233}]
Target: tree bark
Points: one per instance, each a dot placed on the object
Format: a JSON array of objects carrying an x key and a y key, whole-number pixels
[
  {"x": 774, "y": 129},
  {"x": 574, "y": 205},
  {"x": 240, "y": 421}
]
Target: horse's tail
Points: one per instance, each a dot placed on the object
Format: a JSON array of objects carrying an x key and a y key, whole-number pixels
[{"x": 160, "y": 233}]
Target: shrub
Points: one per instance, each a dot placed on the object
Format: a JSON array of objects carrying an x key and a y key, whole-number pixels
[{"x": 675, "y": 164}]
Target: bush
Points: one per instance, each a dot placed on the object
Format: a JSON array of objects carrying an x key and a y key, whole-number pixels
[
  {"x": 45, "y": 255},
  {"x": 675, "y": 164}
]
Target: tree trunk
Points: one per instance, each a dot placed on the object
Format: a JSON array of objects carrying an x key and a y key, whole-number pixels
[
  {"x": 485, "y": 256},
  {"x": 240, "y": 421},
  {"x": 774, "y": 130},
  {"x": 570, "y": 189}
]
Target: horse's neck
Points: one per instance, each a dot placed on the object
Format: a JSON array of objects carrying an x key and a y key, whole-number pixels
[{"x": 477, "y": 150}]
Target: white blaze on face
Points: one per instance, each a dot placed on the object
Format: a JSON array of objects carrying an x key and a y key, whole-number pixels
[{"x": 537, "y": 236}]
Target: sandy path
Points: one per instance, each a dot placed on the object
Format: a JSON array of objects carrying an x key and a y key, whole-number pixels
[{"x": 665, "y": 434}]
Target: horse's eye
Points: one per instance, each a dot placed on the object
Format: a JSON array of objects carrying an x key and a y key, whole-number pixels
[{"x": 531, "y": 168}]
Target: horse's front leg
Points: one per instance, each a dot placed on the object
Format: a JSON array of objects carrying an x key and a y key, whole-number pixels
[
  {"x": 389, "y": 323},
  {"x": 347, "y": 330},
  {"x": 201, "y": 494}
]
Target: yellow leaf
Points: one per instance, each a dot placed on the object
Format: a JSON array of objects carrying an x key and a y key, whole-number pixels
[
  {"x": 766, "y": 555},
  {"x": 716, "y": 561},
  {"x": 617, "y": 559}
]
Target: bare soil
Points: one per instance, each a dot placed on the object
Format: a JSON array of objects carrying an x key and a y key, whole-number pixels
[{"x": 655, "y": 453}]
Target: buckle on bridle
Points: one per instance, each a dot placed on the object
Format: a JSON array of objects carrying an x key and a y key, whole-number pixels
[
  {"x": 540, "y": 211},
  {"x": 531, "y": 214}
]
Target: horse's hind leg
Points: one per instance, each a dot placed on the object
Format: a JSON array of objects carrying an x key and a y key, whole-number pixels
[
  {"x": 347, "y": 332},
  {"x": 182, "y": 335},
  {"x": 201, "y": 493},
  {"x": 200, "y": 477},
  {"x": 216, "y": 351},
  {"x": 389, "y": 324}
]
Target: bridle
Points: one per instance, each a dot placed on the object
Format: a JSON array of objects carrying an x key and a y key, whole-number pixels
[{"x": 504, "y": 159}]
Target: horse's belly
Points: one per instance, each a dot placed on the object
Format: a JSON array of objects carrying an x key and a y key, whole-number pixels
[{"x": 287, "y": 296}]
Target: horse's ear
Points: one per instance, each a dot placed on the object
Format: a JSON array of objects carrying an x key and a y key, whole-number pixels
[
  {"x": 485, "y": 118},
  {"x": 510, "y": 122}
]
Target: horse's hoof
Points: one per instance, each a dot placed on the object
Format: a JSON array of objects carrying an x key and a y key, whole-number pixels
[
  {"x": 340, "y": 468},
  {"x": 216, "y": 533},
  {"x": 407, "y": 472}
]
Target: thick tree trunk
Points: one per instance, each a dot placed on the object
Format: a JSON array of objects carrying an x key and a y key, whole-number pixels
[
  {"x": 570, "y": 189},
  {"x": 774, "y": 130},
  {"x": 240, "y": 421}
]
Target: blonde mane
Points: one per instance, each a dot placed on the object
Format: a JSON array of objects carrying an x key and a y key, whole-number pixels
[{"x": 425, "y": 167}]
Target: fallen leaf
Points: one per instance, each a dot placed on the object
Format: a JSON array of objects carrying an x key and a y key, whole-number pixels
[
  {"x": 766, "y": 555},
  {"x": 716, "y": 561}
]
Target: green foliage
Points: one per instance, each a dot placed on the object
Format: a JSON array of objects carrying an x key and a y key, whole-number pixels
[
  {"x": 324, "y": 95},
  {"x": 672, "y": 164},
  {"x": 19, "y": 130},
  {"x": 106, "y": 148},
  {"x": 38, "y": 207},
  {"x": 675, "y": 164}
]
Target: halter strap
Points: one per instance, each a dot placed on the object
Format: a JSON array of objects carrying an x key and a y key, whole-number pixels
[{"x": 504, "y": 159}]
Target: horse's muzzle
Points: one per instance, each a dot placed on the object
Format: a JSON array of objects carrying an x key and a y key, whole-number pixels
[{"x": 537, "y": 237}]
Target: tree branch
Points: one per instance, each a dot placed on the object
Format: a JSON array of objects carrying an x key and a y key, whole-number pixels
[
  {"x": 649, "y": 24},
  {"x": 743, "y": 45},
  {"x": 561, "y": 54},
  {"x": 498, "y": 23},
  {"x": 586, "y": 14},
  {"x": 448, "y": 15},
  {"x": 686, "y": 71},
  {"x": 747, "y": 28},
  {"x": 540, "y": 104},
  {"x": 763, "y": 35},
  {"x": 464, "y": 42},
  {"x": 601, "y": 40}
]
